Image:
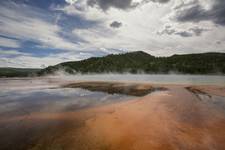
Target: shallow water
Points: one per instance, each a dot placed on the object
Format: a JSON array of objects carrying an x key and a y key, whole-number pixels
[
  {"x": 215, "y": 101},
  {"x": 157, "y": 79},
  {"x": 23, "y": 98},
  {"x": 18, "y": 99}
]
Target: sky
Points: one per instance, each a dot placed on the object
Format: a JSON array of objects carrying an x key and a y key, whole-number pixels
[{"x": 39, "y": 33}]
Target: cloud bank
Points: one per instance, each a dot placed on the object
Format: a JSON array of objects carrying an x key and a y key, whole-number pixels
[{"x": 194, "y": 11}]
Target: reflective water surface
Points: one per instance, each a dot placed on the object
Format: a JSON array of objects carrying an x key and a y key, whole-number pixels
[
  {"x": 37, "y": 114},
  {"x": 24, "y": 102}
]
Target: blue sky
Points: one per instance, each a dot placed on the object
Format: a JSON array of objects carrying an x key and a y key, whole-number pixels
[{"x": 39, "y": 33}]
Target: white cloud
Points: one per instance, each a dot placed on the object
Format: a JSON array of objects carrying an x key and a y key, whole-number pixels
[
  {"x": 5, "y": 42},
  {"x": 20, "y": 23},
  {"x": 11, "y": 53},
  {"x": 137, "y": 33},
  {"x": 28, "y": 61},
  {"x": 71, "y": 1},
  {"x": 139, "y": 30}
]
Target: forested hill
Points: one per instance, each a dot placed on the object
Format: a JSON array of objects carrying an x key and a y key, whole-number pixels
[
  {"x": 18, "y": 72},
  {"x": 141, "y": 62}
]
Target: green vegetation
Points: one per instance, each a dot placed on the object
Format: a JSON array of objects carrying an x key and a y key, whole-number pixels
[
  {"x": 17, "y": 72},
  {"x": 141, "y": 62},
  {"x": 134, "y": 62}
]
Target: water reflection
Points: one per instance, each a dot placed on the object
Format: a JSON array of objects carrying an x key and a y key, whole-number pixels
[
  {"x": 213, "y": 100},
  {"x": 24, "y": 102}
]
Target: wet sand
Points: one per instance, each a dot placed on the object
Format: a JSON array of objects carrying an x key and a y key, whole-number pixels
[{"x": 176, "y": 118}]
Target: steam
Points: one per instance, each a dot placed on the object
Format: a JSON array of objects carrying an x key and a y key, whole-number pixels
[{"x": 172, "y": 77}]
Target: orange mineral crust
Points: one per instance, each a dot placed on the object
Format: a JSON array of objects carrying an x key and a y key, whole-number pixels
[{"x": 177, "y": 118}]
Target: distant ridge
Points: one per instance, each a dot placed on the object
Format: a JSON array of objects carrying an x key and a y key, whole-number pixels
[
  {"x": 141, "y": 62},
  {"x": 18, "y": 72}
]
